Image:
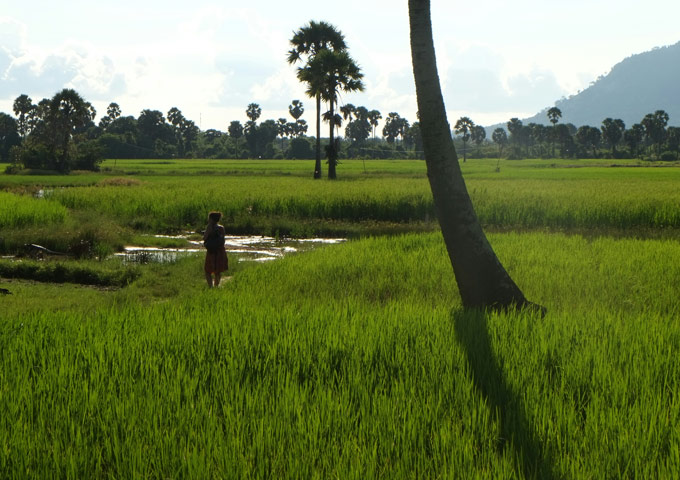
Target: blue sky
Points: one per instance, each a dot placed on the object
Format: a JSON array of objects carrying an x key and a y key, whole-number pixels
[{"x": 497, "y": 59}]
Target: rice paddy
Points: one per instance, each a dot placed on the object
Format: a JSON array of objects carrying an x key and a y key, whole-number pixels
[{"x": 355, "y": 360}]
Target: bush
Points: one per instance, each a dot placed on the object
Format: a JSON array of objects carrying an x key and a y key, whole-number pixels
[
  {"x": 300, "y": 148},
  {"x": 36, "y": 156},
  {"x": 12, "y": 169},
  {"x": 668, "y": 156},
  {"x": 88, "y": 155}
]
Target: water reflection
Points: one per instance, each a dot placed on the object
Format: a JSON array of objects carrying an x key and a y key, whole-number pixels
[{"x": 249, "y": 248}]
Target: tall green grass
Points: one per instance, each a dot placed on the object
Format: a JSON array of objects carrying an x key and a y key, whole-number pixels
[
  {"x": 356, "y": 361},
  {"x": 168, "y": 203},
  {"x": 103, "y": 274},
  {"x": 599, "y": 199},
  {"x": 17, "y": 211},
  {"x": 269, "y": 195}
]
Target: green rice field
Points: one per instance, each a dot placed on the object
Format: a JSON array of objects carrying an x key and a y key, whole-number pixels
[{"x": 353, "y": 360}]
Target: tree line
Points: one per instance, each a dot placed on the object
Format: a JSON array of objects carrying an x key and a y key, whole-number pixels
[
  {"x": 652, "y": 139},
  {"x": 60, "y": 133}
]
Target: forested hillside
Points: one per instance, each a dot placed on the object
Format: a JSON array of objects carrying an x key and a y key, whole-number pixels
[{"x": 636, "y": 86}]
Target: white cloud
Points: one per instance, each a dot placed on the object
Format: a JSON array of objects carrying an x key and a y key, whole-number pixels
[
  {"x": 211, "y": 59},
  {"x": 12, "y": 36}
]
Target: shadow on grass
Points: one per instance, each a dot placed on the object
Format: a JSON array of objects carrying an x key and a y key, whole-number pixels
[{"x": 516, "y": 432}]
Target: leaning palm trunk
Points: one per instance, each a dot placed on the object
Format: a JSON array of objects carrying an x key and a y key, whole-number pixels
[{"x": 482, "y": 280}]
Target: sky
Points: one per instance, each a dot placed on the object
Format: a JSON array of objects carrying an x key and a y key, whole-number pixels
[{"x": 497, "y": 59}]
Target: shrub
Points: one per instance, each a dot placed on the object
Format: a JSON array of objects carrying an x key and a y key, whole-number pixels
[
  {"x": 300, "y": 148},
  {"x": 36, "y": 156},
  {"x": 668, "y": 156},
  {"x": 88, "y": 155}
]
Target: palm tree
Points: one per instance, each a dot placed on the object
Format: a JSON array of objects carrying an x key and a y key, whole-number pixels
[
  {"x": 392, "y": 127},
  {"x": 282, "y": 129},
  {"x": 328, "y": 73},
  {"x": 515, "y": 128},
  {"x": 113, "y": 111},
  {"x": 68, "y": 111},
  {"x": 253, "y": 111},
  {"x": 464, "y": 127},
  {"x": 235, "y": 131},
  {"x": 307, "y": 43},
  {"x": 481, "y": 278},
  {"x": 500, "y": 138},
  {"x": 478, "y": 135},
  {"x": 348, "y": 111},
  {"x": 374, "y": 117},
  {"x": 612, "y": 132},
  {"x": 296, "y": 109},
  {"x": 633, "y": 137},
  {"x": 655, "y": 128},
  {"x": 22, "y": 108},
  {"x": 554, "y": 115}
]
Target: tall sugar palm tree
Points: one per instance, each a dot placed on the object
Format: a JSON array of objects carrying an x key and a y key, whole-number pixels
[
  {"x": 374, "y": 117},
  {"x": 296, "y": 109},
  {"x": 348, "y": 111},
  {"x": 328, "y": 73},
  {"x": 306, "y": 44},
  {"x": 464, "y": 128},
  {"x": 554, "y": 115},
  {"x": 68, "y": 111},
  {"x": 22, "y": 108}
]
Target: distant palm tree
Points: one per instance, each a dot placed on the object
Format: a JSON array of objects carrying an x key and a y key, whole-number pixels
[
  {"x": 235, "y": 131},
  {"x": 500, "y": 138},
  {"x": 374, "y": 117},
  {"x": 655, "y": 128},
  {"x": 554, "y": 115},
  {"x": 113, "y": 111},
  {"x": 612, "y": 132},
  {"x": 348, "y": 111},
  {"x": 22, "y": 108},
  {"x": 253, "y": 111},
  {"x": 464, "y": 127},
  {"x": 68, "y": 111},
  {"x": 296, "y": 109},
  {"x": 282, "y": 129},
  {"x": 327, "y": 74},
  {"x": 307, "y": 43}
]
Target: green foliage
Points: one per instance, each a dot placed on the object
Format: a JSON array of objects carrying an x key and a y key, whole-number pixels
[
  {"x": 96, "y": 273},
  {"x": 668, "y": 156},
  {"x": 300, "y": 148},
  {"x": 523, "y": 195},
  {"x": 19, "y": 211},
  {"x": 35, "y": 156},
  {"x": 88, "y": 155},
  {"x": 355, "y": 361},
  {"x": 9, "y": 135}
]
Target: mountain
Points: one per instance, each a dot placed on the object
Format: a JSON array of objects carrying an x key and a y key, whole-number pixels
[{"x": 636, "y": 86}]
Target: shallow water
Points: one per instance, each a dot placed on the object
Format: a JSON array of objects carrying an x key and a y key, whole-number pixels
[{"x": 250, "y": 248}]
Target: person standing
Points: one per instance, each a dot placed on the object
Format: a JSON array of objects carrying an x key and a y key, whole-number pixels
[{"x": 216, "y": 260}]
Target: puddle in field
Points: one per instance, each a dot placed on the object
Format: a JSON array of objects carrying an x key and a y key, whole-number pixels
[{"x": 249, "y": 248}]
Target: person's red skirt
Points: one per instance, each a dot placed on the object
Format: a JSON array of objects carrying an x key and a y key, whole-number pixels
[{"x": 216, "y": 262}]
